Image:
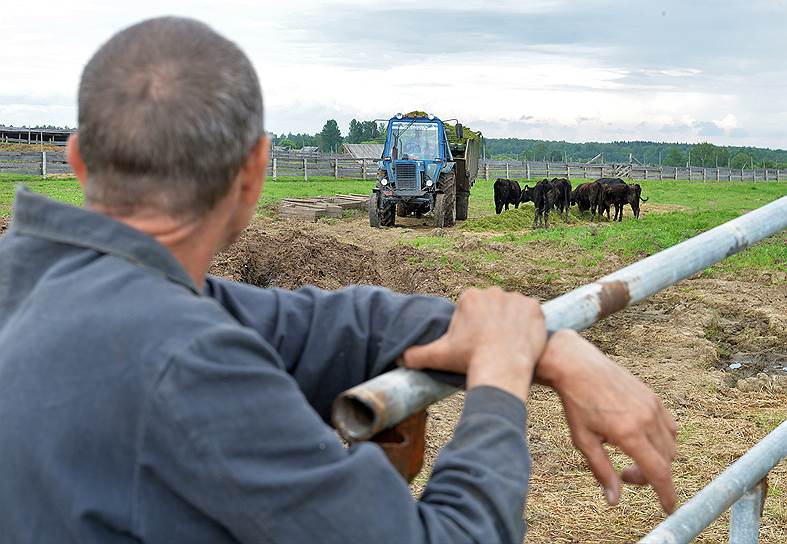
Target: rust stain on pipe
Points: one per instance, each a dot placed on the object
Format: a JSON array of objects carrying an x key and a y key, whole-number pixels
[{"x": 614, "y": 296}]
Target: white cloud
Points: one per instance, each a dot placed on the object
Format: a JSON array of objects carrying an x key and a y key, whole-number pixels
[{"x": 554, "y": 69}]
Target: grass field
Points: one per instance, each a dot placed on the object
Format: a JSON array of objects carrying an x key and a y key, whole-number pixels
[{"x": 685, "y": 208}]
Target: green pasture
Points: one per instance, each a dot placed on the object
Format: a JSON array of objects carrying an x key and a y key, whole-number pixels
[
  {"x": 68, "y": 190},
  {"x": 677, "y": 210}
]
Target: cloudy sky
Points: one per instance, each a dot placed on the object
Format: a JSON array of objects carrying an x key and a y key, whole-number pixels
[{"x": 593, "y": 70}]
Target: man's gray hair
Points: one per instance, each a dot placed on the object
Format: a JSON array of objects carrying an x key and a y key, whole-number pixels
[{"x": 169, "y": 111}]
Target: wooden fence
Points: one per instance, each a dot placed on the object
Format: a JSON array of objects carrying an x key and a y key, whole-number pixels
[
  {"x": 539, "y": 170},
  {"x": 341, "y": 167},
  {"x": 39, "y": 163}
]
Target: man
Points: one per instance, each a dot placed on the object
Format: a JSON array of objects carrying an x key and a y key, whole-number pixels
[{"x": 142, "y": 401}]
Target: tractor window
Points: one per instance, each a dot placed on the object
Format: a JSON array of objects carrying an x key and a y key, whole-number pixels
[{"x": 417, "y": 141}]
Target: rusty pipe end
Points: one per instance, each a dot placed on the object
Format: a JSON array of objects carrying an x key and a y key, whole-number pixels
[{"x": 357, "y": 415}]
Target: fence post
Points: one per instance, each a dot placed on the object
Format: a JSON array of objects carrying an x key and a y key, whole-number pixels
[
  {"x": 717, "y": 173},
  {"x": 363, "y": 169},
  {"x": 336, "y": 168},
  {"x": 305, "y": 170},
  {"x": 584, "y": 172},
  {"x": 486, "y": 171},
  {"x": 508, "y": 175},
  {"x": 547, "y": 170},
  {"x": 43, "y": 163},
  {"x": 661, "y": 173},
  {"x": 28, "y": 136},
  {"x": 274, "y": 168},
  {"x": 745, "y": 515},
  {"x": 568, "y": 171},
  {"x": 777, "y": 174},
  {"x": 527, "y": 170},
  {"x": 741, "y": 174},
  {"x": 646, "y": 174},
  {"x": 676, "y": 173}
]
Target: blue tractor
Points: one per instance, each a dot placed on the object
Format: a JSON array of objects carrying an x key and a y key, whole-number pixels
[{"x": 422, "y": 171}]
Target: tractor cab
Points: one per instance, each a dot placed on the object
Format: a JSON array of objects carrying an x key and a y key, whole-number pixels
[{"x": 416, "y": 152}]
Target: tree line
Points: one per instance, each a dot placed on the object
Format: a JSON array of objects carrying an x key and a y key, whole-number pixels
[
  {"x": 330, "y": 139},
  {"x": 704, "y": 154}
]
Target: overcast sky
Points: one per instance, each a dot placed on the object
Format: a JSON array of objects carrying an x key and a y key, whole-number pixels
[{"x": 575, "y": 70}]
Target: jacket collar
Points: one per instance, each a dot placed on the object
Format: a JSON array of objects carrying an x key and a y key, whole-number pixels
[{"x": 38, "y": 216}]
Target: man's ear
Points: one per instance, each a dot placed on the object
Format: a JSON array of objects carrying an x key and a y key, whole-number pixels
[
  {"x": 253, "y": 173},
  {"x": 74, "y": 158}
]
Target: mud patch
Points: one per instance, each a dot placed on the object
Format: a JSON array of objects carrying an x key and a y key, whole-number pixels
[{"x": 290, "y": 258}]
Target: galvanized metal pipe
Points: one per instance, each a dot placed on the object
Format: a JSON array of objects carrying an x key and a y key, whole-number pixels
[
  {"x": 704, "y": 507},
  {"x": 361, "y": 412},
  {"x": 745, "y": 515}
]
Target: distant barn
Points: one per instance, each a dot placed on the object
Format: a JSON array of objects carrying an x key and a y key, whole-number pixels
[
  {"x": 28, "y": 135},
  {"x": 363, "y": 151}
]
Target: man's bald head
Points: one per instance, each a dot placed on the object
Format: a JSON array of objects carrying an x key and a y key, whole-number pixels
[{"x": 168, "y": 113}]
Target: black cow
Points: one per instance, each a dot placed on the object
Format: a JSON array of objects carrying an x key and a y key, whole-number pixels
[
  {"x": 634, "y": 196},
  {"x": 543, "y": 197},
  {"x": 507, "y": 192},
  {"x": 619, "y": 195},
  {"x": 563, "y": 195},
  {"x": 600, "y": 204},
  {"x": 613, "y": 195},
  {"x": 579, "y": 196}
]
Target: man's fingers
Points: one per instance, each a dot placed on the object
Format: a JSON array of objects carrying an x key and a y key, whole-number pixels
[
  {"x": 655, "y": 469},
  {"x": 601, "y": 466},
  {"x": 633, "y": 475},
  {"x": 433, "y": 355}
]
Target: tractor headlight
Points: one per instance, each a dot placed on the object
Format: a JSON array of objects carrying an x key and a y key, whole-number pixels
[
  {"x": 383, "y": 182},
  {"x": 429, "y": 183}
]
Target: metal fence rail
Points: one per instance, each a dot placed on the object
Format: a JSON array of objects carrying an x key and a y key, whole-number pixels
[
  {"x": 384, "y": 401},
  {"x": 742, "y": 485}
]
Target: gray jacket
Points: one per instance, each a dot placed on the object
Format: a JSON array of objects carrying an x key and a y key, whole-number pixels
[{"x": 135, "y": 409}]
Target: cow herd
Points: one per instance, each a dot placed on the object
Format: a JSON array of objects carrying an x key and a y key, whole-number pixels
[{"x": 597, "y": 197}]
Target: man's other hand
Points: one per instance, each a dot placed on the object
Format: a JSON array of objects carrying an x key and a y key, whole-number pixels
[
  {"x": 494, "y": 337},
  {"x": 605, "y": 403}
]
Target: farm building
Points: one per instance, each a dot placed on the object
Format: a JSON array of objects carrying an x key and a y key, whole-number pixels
[
  {"x": 34, "y": 135},
  {"x": 363, "y": 151}
]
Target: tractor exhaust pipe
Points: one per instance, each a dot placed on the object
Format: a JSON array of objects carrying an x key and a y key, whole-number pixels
[{"x": 361, "y": 412}]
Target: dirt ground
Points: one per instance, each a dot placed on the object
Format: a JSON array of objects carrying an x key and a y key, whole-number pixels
[{"x": 681, "y": 342}]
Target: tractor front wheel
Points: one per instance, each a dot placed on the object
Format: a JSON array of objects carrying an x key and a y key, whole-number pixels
[{"x": 374, "y": 212}]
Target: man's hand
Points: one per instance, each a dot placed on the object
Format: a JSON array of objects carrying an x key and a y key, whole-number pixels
[
  {"x": 494, "y": 337},
  {"x": 604, "y": 403}
]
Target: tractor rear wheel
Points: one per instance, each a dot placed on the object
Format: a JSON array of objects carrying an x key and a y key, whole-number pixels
[
  {"x": 462, "y": 196},
  {"x": 462, "y": 202},
  {"x": 445, "y": 202}
]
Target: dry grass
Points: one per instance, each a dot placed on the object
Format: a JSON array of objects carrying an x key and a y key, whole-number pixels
[{"x": 30, "y": 148}]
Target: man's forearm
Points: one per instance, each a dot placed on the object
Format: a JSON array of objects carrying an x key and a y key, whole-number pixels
[{"x": 332, "y": 340}]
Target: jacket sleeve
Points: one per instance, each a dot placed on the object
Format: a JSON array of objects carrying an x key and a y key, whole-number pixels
[
  {"x": 330, "y": 341},
  {"x": 231, "y": 432}
]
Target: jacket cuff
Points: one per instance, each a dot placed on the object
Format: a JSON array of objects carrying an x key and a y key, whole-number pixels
[{"x": 491, "y": 400}]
